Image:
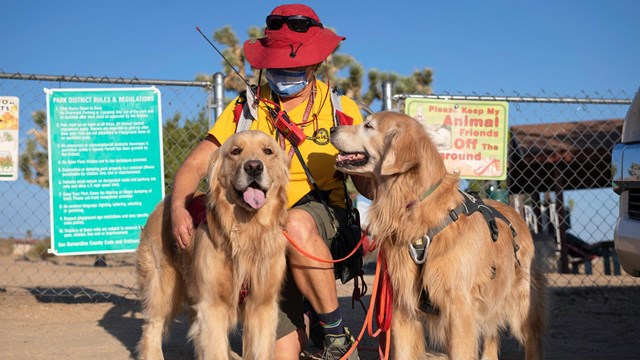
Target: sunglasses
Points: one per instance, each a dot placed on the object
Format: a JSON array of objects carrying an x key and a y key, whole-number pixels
[{"x": 297, "y": 23}]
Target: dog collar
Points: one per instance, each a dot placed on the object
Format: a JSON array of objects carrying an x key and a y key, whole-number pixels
[{"x": 425, "y": 194}]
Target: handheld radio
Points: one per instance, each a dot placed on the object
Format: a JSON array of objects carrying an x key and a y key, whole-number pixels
[{"x": 287, "y": 128}]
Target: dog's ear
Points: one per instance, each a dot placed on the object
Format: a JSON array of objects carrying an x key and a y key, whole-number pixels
[
  {"x": 285, "y": 161},
  {"x": 402, "y": 152},
  {"x": 213, "y": 172}
]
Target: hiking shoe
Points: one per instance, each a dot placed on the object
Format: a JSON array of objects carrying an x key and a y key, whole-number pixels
[{"x": 335, "y": 347}]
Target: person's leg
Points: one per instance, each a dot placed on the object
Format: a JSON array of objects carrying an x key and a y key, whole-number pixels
[
  {"x": 315, "y": 279},
  {"x": 290, "y": 334},
  {"x": 289, "y": 346},
  {"x": 314, "y": 229},
  {"x": 302, "y": 279}
]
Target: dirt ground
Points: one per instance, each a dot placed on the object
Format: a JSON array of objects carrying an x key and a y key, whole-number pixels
[{"x": 584, "y": 322}]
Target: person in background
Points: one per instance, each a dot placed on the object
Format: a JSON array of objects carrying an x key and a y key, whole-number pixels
[{"x": 295, "y": 44}]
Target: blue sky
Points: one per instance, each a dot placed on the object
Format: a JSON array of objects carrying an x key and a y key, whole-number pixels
[
  {"x": 496, "y": 47},
  {"x": 562, "y": 47}
]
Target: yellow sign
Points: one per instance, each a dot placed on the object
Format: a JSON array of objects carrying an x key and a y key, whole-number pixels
[
  {"x": 9, "y": 115},
  {"x": 470, "y": 135}
]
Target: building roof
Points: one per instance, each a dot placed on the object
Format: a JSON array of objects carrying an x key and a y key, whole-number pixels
[{"x": 555, "y": 156}]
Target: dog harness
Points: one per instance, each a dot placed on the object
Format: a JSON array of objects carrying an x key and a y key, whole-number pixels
[
  {"x": 418, "y": 250},
  {"x": 198, "y": 210}
]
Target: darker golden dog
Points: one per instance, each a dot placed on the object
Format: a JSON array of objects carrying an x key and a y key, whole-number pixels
[
  {"x": 241, "y": 245},
  {"x": 479, "y": 286}
]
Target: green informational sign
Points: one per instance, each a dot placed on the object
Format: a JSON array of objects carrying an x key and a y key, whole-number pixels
[
  {"x": 105, "y": 167},
  {"x": 471, "y": 136}
]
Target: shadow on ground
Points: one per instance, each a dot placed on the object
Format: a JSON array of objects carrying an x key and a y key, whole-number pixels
[
  {"x": 123, "y": 320},
  {"x": 584, "y": 323}
]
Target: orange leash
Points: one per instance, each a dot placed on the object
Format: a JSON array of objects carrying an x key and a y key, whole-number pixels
[
  {"x": 313, "y": 257},
  {"x": 384, "y": 302},
  {"x": 382, "y": 299}
]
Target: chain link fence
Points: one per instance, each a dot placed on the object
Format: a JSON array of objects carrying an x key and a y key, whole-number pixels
[
  {"x": 558, "y": 177},
  {"x": 187, "y": 109},
  {"x": 558, "y": 148}
]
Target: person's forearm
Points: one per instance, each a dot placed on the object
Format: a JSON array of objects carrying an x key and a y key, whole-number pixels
[
  {"x": 185, "y": 185},
  {"x": 192, "y": 170}
]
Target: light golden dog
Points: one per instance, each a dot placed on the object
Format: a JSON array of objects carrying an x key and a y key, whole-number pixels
[
  {"x": 479, "y": 286},
  {"x": 241, "y": 245}
]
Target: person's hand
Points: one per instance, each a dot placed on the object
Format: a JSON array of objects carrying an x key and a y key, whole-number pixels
[{"x": 182, "y": 225}]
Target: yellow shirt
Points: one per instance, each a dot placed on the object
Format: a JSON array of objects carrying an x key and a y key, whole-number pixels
[{"x": 317, "y": 151}]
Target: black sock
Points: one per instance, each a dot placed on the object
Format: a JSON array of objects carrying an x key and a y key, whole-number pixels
[{"x": 331, "y": 322}]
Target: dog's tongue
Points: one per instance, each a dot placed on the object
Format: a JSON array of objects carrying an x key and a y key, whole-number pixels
[{"x": 254, "y": 197}]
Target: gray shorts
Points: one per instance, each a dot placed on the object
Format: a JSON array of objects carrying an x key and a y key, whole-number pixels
[{"x": 290, "y": 314}]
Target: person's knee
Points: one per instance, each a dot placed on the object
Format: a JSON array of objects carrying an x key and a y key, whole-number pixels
[{"x": 301, "y": 226}]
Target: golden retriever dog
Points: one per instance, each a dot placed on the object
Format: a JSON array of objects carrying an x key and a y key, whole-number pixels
[
  {"x": 240, "y": 246},
  {"x": 478, "y": 286}
]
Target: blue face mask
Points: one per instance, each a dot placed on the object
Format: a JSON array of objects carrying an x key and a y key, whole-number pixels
[{"x": 286, "y": 83}]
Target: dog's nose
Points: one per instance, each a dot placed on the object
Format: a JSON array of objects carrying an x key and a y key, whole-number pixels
[
  {"x": 333, "y": 129},
  {"x": 253, "y": 167}
]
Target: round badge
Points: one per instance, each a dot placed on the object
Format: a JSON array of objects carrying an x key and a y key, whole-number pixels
[{"x": 321, "y": 136}]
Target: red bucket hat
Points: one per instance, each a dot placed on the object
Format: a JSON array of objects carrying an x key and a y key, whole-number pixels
[{"x": 284, "y": 48}]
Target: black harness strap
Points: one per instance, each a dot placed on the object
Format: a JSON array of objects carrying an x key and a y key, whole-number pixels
[
  {"x": 418, "y": 249},
  {"x": 488, "y": 212},
  {"x": 468, "y": 207}
]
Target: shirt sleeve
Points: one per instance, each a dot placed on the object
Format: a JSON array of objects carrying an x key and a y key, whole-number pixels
[{"x": 225, "y": 126}]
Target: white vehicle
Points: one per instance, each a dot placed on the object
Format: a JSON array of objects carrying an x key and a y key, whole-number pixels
[{"x": 625, "y": 169}]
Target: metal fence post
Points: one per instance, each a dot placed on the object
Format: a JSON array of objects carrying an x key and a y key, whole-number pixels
[
  {"x": 218, "y": 96},
  {"x": 386, "y": 95}
]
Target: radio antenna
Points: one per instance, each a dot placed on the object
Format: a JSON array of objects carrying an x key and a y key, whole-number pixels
[{"x": 225, "y": 59}]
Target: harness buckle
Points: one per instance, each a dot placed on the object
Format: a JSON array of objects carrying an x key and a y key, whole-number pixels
[
  {"x": 453, "y": 215},
  {"x": 419, "y": 250}
]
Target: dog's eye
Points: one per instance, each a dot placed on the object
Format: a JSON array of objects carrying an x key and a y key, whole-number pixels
[
  {"x": 368, "y": 125},
  {"x": 236, "y": 151},
  {"x": 268, "y": 151}
]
